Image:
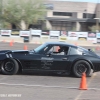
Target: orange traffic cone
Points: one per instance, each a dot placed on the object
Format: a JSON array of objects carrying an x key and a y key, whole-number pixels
[
  {"x": 83, "y": 84},
  {"x": 11, "y": 43},
  {"x": 25, "y": 47}
]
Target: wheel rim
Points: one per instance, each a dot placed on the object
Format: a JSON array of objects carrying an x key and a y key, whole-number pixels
[
  {"x": 9, "y": 66},
  {"x": 81, "y": 68}
]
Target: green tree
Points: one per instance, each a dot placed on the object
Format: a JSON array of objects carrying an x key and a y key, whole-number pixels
[
  {"x": 23, "y": 12},
  {"x": 94, "y": 28}
]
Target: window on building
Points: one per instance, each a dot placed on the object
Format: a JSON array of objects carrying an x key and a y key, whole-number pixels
[
  {"x": 87, "y": 15},
  {"x": 49, "y": 6},
  {"x": 62, "y": 13}
]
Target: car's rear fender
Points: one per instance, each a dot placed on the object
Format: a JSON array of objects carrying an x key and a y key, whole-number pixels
[{"x": 91, "y": 64}]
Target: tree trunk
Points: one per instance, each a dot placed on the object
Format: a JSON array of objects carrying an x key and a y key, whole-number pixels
[{"x": 23, "y": 25}]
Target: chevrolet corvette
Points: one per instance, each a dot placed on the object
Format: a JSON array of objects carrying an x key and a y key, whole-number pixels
[{"x": 56, "y": 57}]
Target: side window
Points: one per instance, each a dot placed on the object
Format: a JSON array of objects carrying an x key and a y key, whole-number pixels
[
  {"x": 75, "y": 51},
  {"x": 59, "y": 50},
  {"x": 54, "y": 49},
  {"x": 45, "y": 48}
]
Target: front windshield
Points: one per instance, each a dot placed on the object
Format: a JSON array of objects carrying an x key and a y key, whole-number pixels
[{"x": 38, "y": 49}]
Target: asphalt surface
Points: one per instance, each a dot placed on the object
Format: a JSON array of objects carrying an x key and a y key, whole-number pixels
[{"x": 46, "y": 86}]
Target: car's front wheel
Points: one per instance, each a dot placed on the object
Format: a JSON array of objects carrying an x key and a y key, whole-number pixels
[
  {"x": 80, "y": 67},
  {"x": 9, "y": 67}
]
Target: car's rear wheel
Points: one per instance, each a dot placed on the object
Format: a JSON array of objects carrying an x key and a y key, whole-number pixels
[
  {"x": 80, "y": 67},
  {"x": 9, "y": 67}
]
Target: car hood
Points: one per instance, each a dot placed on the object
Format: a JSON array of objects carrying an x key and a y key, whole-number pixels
[
  {"x": 13, "y": 51},
  {"x": 20, "y": 51},
  {"x": 5, "y": 51}
]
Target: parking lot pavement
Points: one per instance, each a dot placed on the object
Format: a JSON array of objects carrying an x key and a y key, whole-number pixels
[
  {"x": 93, "y": 92},
  {"x": 48, "y": 87},
  {"x": 37, "y": 93}
]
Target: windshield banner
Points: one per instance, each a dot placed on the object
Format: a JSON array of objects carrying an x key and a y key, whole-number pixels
[
  {"x": 98, "y": 35},
  {"x": 15, "y": 33},
  {"x": 54, "y": 33},
  {"x": 72, "y": 34},
  {"x": 63, "y": 33},
  {"x": 92, "y": 37},
  {"x": 82, "y": 34},
  {"x": 92, "y": 34},
  {"x": 24, "y": 33},
  {"x": 63, "y": 36},
  {"x": 82, "y": 38},
  {"x": 45, "y": 32},
  {"x": 36, "y": 32},
  {"x": 98, "y": 40},
  {"x": 6, "y": 32}
]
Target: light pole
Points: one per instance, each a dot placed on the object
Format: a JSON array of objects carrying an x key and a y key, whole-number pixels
[{"x": 97, "y": 24}]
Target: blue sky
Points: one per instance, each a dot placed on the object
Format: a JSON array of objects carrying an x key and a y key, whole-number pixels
[{"x": 95, "y": 1}]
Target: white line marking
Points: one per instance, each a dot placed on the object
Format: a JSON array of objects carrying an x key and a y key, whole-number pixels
[
  {"x": 26, "y": 85},
  {"x": 45, "y": 86}
]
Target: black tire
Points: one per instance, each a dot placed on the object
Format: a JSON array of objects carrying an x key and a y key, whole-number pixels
[
  {"x": 80, "y": 67},
  {"x": 9, "y": 67}
]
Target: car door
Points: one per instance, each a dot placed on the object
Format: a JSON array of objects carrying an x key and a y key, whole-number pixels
[
  {"x": 60, "y": 62},
  {"x": 30, "y": 61},
  {"x": 46, "y": 62},
  {"x": 38, "y": 60},
  {"x": 54, "y": 61}
]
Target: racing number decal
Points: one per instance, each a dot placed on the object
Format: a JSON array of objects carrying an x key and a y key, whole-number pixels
[{"x": 46, "y": 62}]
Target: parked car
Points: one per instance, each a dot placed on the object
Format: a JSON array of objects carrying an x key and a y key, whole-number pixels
[{"x": 56, "y": 57}]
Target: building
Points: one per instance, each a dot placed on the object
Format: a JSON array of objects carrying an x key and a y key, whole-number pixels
[{"x": 76, "y": 16}]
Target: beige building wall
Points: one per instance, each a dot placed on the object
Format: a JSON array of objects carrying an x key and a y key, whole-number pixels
[
  {"x": 65, "y": 6},
  {"x": 80, "y": 15},
  {"x": 98, "y": 11},
  {"x": 77, "y": 7},
  {"x": 91, "y": 7}
]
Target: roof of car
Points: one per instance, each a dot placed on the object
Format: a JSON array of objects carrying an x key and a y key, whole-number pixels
[{"x": 61, "y": 43}]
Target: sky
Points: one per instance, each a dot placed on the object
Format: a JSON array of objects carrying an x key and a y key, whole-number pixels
[{"x": 95, "y": 1}]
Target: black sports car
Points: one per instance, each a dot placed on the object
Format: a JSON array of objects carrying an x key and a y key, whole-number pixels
[{"x": 57, "y": 57}]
